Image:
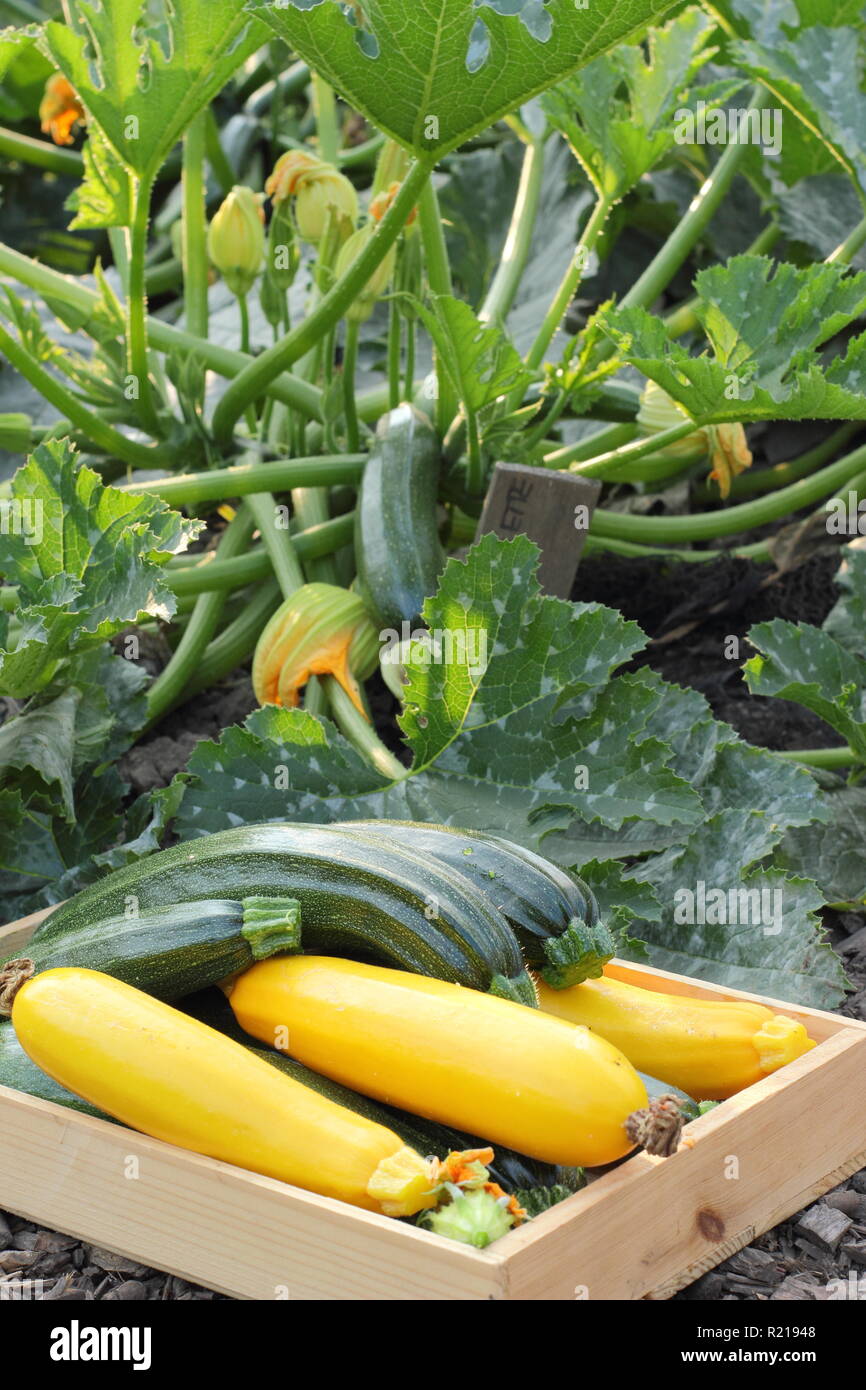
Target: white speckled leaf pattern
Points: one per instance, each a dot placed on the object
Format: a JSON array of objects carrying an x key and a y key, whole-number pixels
[{"x": 421, "y": 74}]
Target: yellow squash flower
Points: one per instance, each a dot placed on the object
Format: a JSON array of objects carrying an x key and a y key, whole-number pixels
[
  {"x": 321, "y": 630},
  {"x": 320, "y": 192}
]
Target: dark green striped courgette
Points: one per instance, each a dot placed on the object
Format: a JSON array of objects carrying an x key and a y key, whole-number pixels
[
  {"x": 397, "y": 551},
  {"x": 553, "y": 914},
  {"x": 173, "y": 950},
  {"x": 397, "y": 909}
]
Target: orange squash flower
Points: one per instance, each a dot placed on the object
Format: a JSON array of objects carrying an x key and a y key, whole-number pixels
[{"x": 60, "y": 110}]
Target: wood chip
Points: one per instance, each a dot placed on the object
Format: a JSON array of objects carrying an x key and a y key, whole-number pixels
[{"x": 824, "y": 1226}]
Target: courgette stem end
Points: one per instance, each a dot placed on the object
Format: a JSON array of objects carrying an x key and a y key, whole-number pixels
[
  {"x": 271, "y": 925},
  {"x": 579, "y": 953}
]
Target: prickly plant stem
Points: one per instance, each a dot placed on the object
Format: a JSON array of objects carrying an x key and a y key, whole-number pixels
[
  {"x": 439, "y": 281},
  {"x": 194, "y": 229},
  {"x": 137, "y": 304},
  {"x": 257, "y": 376},
  {"x": 569, "y": 284},
  {"x": 97, "y": 430},
  {"x": 171, "y": 684},
  {"x": 350, "y": 367}
]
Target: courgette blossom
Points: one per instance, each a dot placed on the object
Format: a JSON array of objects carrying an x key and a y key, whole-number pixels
[
  {"x": 60, "y": 110},
  {"x": 726, "y": 445},
  {"x": 320, "y": 193}
]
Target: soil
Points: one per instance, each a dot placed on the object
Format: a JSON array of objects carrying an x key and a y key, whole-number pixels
[{"x": 690, "y": 613}]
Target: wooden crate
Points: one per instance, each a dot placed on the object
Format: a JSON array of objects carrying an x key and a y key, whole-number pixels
[{"x": 643, "y": 1230}]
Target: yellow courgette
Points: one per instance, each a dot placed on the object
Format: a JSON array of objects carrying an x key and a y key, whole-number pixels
[
  {"x": 710, "y": 1048},
  {"x": 551, "y": 1090},
  {"x": 166, "y": 1074}
]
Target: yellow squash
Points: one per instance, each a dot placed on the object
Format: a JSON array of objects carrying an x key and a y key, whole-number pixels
[
  {"x": 467, "y": 1059},
  {"x": 174, "y": 1078},
  {"x": 709, "y": 1048}
]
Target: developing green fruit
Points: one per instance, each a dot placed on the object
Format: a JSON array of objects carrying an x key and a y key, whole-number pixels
[{"x": 236, "y": 239}]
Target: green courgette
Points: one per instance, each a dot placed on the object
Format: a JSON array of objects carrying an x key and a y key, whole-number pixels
[
  {"x": 510, "y": 1169},
  {"x": 554, "y": 915},
  {"x": 399, "y": 910},
  {"x": 397, "y": 550},
  {"x": 174, "y": 950}
]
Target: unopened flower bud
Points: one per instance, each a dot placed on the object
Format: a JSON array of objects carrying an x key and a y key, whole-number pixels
[
  {"x": 365, "y": 301},
  {"x": 236, "y": 239}
]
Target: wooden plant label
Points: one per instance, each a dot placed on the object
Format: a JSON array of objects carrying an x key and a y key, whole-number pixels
[{"x": 551, "y": 508}]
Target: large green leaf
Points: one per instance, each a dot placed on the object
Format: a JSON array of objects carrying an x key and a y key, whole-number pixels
[
  {"x": 765, "y": 324},
  {"x": 87, "y": 559},
  {"x": 818, "y": 76},
  {"x": 432, "y": 73},
  {"x": 143, "y": 70},
  {"x": 768, "y": 941},
  {"x": 802, "y": 663},
  {"x": 618, "y": 114}
]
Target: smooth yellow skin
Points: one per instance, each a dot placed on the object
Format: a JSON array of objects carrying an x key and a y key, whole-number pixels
[
  {"x": 175, "y": 1079},
  {"x": 483, "y": 1064},
  {"x": 709, "y": 1048}
]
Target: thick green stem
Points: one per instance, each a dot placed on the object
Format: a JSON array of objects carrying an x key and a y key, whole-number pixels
[
  {"x": 40, "y": 154},
  {"x": 327, "y": 124},
  {"x": 96, "y": 429},
  {"x": 439, "y": 281},
  {"x": 310, "y": 544},
  {"x": 168, "y": 687},
  {"x": 760, "y": 480},
  {"x": 311, "y": 510},
  {"x": 827, "y": 758},
  {"x": 237, "y": 641},
  {"x": 291, "y": 390},
  {"x": 518, "y": 243},
  {"x": 245, "y": 325},
  {"x": 618, "y": 459},
  {"x": 194, "y": 229},
  {"x": 360, "y": 732},
  {"x": 190, "y": 489},
  {"x": 569, "y": 284},
  {"x": 278, "y": 543},
  {"x": 596, "y": 545},
  {"x": 350, "y": 368},
  {"x": 137, "y": 306},
  {"x": 730, "y": 521},
  {"x": 254, "y": 380},
  {"x": 691, "y": 228},
  {"x": 850, "y": 246},
  {"x": 395, "y": 344},
  {"x": 216, "y": 155}
]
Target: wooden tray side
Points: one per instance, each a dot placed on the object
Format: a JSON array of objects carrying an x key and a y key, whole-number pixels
[
  {"x": 743, "y": 1168},
  {"x": 234, "y": 1231}
]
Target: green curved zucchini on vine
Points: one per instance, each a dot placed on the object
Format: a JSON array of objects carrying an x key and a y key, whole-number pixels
[{"x": 397, "y": 549}]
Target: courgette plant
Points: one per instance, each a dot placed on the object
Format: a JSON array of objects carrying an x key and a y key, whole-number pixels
[{"x": 338, "y": 168}]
